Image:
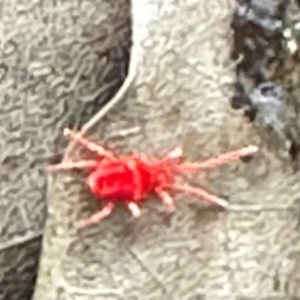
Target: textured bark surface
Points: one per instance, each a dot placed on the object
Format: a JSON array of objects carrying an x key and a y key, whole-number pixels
[
  {"x": 180, "y": 96},
  {"x": 59, "y": 62}
]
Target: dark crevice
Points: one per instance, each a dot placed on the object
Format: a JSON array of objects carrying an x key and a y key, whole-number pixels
[{"x": 266, "y": 39}]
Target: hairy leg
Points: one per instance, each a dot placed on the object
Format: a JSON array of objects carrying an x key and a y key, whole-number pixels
[
  {"x": 89, "y": 145},
  {"x": 134, "y": 209},
  {"x": 220, "y": 160},
  {"x": 174, "y": 154},
  {"x": 99, "y": 216},
  {"x": 200, "y": 193},
  {"x": 166, "y": 199},
  {"x": 137, "y": 180}
]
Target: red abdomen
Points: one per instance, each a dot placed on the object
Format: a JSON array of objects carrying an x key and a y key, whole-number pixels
[{"x": 121, "y": 180}]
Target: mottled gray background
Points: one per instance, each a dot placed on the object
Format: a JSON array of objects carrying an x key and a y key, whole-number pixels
[
  {"x": 179, "y": 96},
  {"x": 59, "y": 62}
]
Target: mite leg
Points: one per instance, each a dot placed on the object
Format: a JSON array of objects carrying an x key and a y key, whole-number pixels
[
  {"x": 83, "y": 164},
  {"x": 200, "y": 193},
  {"x": 137, "y": 180},
  {"x": 99, "y": 216},
  {"x": 220, "y": 160},
  {"x": 175, "y": 154},
  {"x": 166, "y": 199},
  {"x": 134, "y": 209},
  {"x": 89, "y": 145}
]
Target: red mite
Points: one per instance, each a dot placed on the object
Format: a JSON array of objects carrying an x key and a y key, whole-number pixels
[{"x": 130, "y": 179}]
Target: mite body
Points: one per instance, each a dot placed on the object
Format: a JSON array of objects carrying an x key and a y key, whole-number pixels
[{"x": 131, "y": 179}]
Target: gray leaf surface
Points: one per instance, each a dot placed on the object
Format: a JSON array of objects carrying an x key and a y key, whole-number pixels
[{"x": 59, "y": 62}]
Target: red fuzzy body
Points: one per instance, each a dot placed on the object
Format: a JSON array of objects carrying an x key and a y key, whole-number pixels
[{"x": 128, "y": 179}]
